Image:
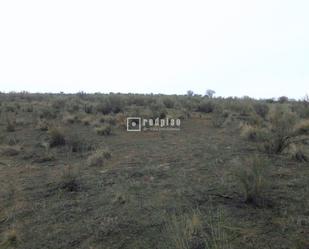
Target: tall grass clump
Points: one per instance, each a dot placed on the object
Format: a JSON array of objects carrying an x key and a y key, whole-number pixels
[
  {"x": 191, "y": 231},
  {"x": 182, "y": 230},
  {"x": 253, "y": 180}
]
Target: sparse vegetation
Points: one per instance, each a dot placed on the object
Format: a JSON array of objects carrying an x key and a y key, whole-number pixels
[{"x": 234, "y": 176}]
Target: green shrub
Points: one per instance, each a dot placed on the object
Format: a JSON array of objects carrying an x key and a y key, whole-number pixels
[
  {"x": 10, "y": 108},
  {"x": 28, "y": 108},
  {"x": 261, "y": 109},
  {"x": 283, "y": 99},
  {"x": 88, "y": 108},
  {"x": 282, "y": 129},
  {"x": 168, "y": 102},
  {"x": 73, "y": 105},
  {"x": 110, "y": 104},
  {"x": 206, "y": 106},
  {"x": 219, "y": 117},
  {"x": 158, "y": 110},
  {"x": 105, "y": 107},
  {"x": 58, "y": 104},
  {"x": 47, "y": 113}
]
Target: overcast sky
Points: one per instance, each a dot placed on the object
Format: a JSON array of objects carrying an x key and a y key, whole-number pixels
[{"x": 258, "y": 48}]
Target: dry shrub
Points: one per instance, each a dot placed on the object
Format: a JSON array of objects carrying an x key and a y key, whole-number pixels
[
  {"x": 77, "y": 143},
  {"x": 10, "y": 150},
  {"x": 253, "y": 133},
  {"x": 105, "y": 107},
  {"x": 42, "y": 125},
  {"x": 302, "y": 128},
  {"x": 296, "y": 152},
  {"x": 10, "y": 123},
  {"x": 70, "y": 179},
  {"x": 70, "y": 119},
  {"x": 183, "y": 231},
  {"x": 10, "y": 240},
  {"x": 121, "y": 120},
  {"x": 56, "y": 137},
  {"x": 87, "y": 120},
  {"x": 108, "y": 119},
  {"x": 99, "y": 157},
  {"x": 104, "y": 130}
]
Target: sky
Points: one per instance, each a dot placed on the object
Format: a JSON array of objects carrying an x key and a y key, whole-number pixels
[{"x": 257, "y": 48}]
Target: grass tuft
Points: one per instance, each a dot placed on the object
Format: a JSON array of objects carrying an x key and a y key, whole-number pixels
[
  {"x": 99, "y": 157},
  {"x": 252, "y": 177}
]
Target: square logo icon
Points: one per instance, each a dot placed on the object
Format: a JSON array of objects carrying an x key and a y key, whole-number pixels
[{"x": 134, "y": 124}]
